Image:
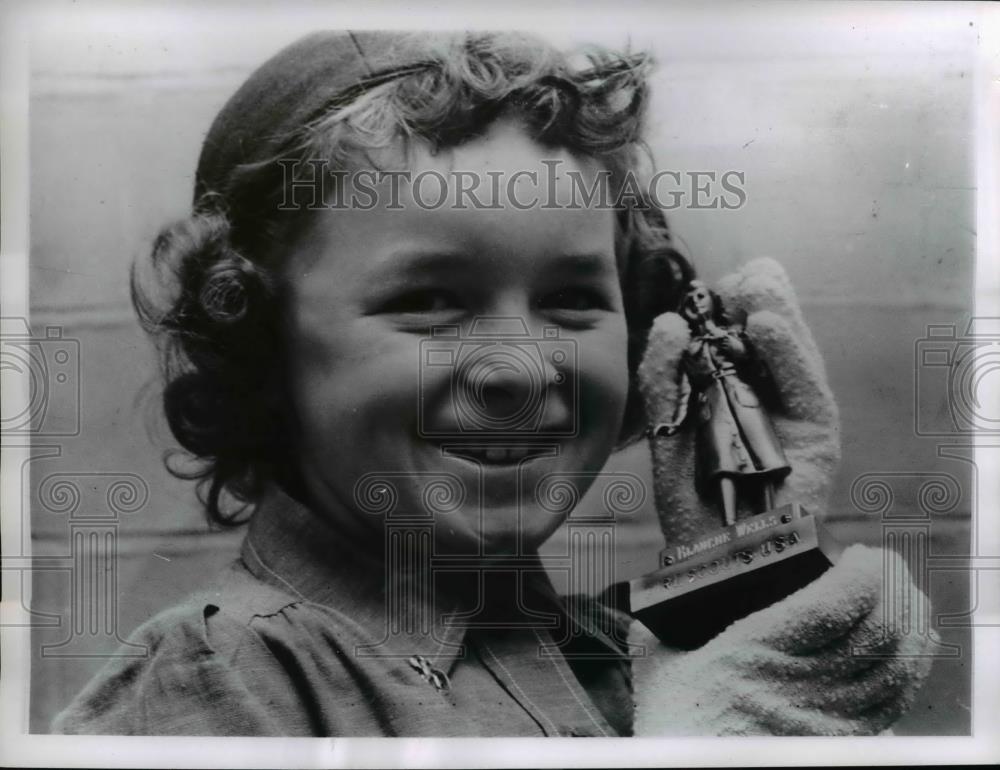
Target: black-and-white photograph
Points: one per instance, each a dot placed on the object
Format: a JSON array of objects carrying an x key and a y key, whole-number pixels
[{"x": 603, "y": 371}]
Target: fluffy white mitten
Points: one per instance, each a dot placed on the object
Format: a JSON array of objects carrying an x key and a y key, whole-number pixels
[
  {"x": 831, "y": 659},
  {"x": 842, "y": 656}
]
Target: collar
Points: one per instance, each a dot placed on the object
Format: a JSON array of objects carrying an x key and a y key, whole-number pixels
[{"x": 426, "y": 605}]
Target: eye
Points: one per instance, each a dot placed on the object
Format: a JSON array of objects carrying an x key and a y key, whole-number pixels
[
  {"x": 418, "y": 310},
  {"x": 575, "y": 303},
  {"x": 421, "y": 301}
]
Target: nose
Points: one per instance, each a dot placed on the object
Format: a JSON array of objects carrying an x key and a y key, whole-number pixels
[
  {"x": 514, "y": 386},
  {"x": 502, "y": 389},
  {"x": 515, "y": 378}
]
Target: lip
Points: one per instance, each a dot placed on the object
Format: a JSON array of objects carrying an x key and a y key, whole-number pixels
[
  {"x": 500, "y": 482},
  {"x": 497, "y": 455},
  {"x": 493, "y": 454}
]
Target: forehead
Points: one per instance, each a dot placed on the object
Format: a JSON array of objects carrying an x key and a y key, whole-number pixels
[
  {"x": 500, "y": 195},
  {"x": 501, "y": 168}
]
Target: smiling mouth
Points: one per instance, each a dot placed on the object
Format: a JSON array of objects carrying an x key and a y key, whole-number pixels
[{"x": 498, "y": 455}]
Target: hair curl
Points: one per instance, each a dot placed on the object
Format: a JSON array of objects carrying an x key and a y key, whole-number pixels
[{"x": 218, "y": 326}]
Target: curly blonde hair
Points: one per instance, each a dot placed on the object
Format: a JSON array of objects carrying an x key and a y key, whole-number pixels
[{"x": 210, "y": 292}]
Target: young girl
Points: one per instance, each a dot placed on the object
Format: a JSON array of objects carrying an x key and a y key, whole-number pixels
[{"x": 385, "y": 377}]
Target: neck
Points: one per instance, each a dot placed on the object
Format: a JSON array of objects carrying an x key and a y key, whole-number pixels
[{"x": 405, "y": 550}]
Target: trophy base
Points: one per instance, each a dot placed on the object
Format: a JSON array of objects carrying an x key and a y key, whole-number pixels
[{"x": 702, "y": 587}]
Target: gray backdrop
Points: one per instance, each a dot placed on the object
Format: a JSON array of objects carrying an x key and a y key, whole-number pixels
[{"x": 855, "y": 135}]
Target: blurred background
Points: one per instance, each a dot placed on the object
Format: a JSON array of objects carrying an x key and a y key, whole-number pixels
[{"x": 853, "y": 125}]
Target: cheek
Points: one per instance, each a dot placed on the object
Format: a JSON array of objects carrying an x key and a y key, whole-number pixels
[
  {"x": 349, "y": 393},
  {"x": 604, "y": 382}
]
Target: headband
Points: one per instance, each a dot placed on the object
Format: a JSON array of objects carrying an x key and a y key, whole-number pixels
[{"x": 293, "y": 88}]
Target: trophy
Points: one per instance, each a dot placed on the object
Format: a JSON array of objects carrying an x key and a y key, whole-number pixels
[{"x": 751, "y": 560}]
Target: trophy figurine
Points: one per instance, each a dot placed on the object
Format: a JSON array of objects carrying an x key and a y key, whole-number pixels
[
  {"x": 736, "y": 445},
  {"x": 756, "y": 553}
]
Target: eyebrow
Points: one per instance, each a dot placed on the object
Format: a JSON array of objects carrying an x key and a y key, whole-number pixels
[
  {"x": 417, "y": 261},
  {"x": 587, "y": 265}
]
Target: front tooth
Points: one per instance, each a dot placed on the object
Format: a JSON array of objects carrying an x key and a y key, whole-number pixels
[{"x": 496, "y": 454}]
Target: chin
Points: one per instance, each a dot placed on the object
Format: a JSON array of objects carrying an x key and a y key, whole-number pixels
[
  {"x": 498, "y": 536},
  {"x": 527, "y": 539}
]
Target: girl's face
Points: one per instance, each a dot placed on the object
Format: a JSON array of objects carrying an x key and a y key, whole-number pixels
[{"x": 535, "y": 352}]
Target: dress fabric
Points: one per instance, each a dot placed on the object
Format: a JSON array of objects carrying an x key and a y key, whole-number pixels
[{"x": 302, "y": 636}]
